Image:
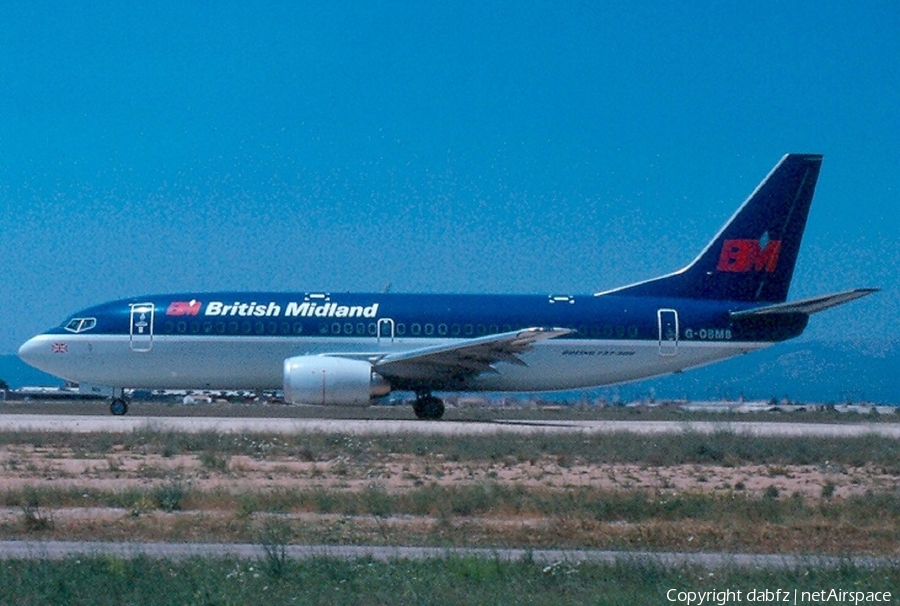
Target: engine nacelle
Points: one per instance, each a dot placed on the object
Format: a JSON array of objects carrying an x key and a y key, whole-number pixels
[{"x": 327, "y": 380}]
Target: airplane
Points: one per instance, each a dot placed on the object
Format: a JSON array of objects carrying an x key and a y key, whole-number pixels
[{"x": 352, "y": 349}]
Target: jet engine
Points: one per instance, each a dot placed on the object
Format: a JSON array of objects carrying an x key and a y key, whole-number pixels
[{"x": 328, "y": 380}]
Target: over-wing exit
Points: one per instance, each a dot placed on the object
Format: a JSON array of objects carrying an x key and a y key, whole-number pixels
[{"x": 351, "y": 349}]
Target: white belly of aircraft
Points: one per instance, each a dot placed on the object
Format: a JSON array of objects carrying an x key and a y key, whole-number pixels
[{"x": 257, "y": 362}]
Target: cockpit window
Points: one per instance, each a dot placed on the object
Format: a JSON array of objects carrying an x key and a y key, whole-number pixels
[{"x": 80, "y": 324}]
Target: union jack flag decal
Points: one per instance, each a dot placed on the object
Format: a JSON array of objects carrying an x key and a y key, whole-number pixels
[{"x": 59, "y": 348}]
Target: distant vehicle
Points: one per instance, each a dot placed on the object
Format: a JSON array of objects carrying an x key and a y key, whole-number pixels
[{"x": 350, "y": 349}]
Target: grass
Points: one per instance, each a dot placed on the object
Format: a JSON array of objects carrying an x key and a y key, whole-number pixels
[
  {"x": 473, "y": 500},
  {"x": 720, "y": 448},
  {"x": 447, "y": 581},
  {"x": 484, "y": 514}
]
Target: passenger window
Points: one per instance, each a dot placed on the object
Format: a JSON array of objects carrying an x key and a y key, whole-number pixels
[
  {"x": 298, "y": 328},
  {"x": 415, "y": 329},
  {"x": 429, "y": 329},
  {"x": 207, "y": 328},
  {"x": 220, "y": 328},
  {"x": 468, "y": 330},
  {"x": 442, "y": 329},
  {"x": 633, "y": 332},
  {"x": 336, "y": 328},
  {"x": 454, "y": 330},
  {"x": 494, "y": 329},
  {"x": 480, "y": 330},
  {"x": 401, "y": 329}
]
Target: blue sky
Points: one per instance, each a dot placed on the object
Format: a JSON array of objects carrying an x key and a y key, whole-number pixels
[{"x": 444, "y": 147}]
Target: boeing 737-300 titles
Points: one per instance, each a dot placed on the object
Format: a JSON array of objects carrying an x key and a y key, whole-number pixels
[{"x": 352, "y": 349}]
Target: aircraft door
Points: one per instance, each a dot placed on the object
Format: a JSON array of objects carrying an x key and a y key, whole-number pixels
[
  {"x": 668, "y": 331},
  {"x": 141, "y": 326},
  {"x": 385, "y": 330}
]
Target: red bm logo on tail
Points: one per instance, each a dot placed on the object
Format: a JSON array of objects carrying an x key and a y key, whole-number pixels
[{"x": 748, "y": 255}]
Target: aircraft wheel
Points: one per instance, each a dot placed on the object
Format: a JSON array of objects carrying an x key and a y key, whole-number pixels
[
  {"x": 428, "y": 407},
  {"x": 118, "y": 407}
]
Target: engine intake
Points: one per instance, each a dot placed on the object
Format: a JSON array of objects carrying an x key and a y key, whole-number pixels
[{"x": 327, "y": 380}]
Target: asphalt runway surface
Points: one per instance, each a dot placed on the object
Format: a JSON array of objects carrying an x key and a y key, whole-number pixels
[{"x": 131, "y": 423}]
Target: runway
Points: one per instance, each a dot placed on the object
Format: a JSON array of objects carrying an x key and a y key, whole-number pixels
[
  {"x": 126, "y": 424},
  {"x": 56, "y": 550}
]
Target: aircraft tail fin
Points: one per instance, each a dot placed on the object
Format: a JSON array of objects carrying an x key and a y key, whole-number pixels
[{"x": 752, "y": 258}]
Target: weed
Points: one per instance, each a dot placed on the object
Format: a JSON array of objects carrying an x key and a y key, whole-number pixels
[
  {"x": 275, "y": 535},
  {"x": 214, "y": 461},
  {"x": 36, "y": 519},
  {"x": 376, "y": 501},
  {"x": 170, "y": 496},
  {"x": 141, "y": 505},
  {"x": 247, "y": 505}
]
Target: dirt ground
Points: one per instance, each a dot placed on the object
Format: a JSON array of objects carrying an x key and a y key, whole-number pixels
[{"x": 25, "y": 465}]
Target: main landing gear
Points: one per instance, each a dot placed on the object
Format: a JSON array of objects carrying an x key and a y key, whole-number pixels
[
  {"x": 119, "y": 405},
  {"x": 427, "y": 406}
]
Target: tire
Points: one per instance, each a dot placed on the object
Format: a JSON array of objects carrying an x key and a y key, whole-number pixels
[{"x": 118, "y": 407}]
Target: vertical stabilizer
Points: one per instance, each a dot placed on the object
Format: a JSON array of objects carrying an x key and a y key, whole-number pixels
[{"x": 752, "y": 258}]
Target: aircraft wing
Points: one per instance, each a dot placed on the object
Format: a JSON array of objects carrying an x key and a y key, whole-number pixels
[
  {"x": 451, "y": 365},
  {"x": 806, "y": 306}
]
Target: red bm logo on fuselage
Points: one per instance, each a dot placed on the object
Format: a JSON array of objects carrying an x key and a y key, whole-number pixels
[
  {"x": 747, "y": 255},
  {"x": 183, "y": 308}
]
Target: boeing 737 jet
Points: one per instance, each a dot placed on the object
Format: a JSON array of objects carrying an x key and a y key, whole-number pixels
[{"x": 351, "y": 349}]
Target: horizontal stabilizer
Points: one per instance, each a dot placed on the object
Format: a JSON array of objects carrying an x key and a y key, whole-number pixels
[{"x": 806, "y": 306}]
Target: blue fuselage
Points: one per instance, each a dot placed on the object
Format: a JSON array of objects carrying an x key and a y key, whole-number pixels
[{"x": 232, "y": 340}]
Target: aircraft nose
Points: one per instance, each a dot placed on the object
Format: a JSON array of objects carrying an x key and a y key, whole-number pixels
[{"x": 33, "y": 351}]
